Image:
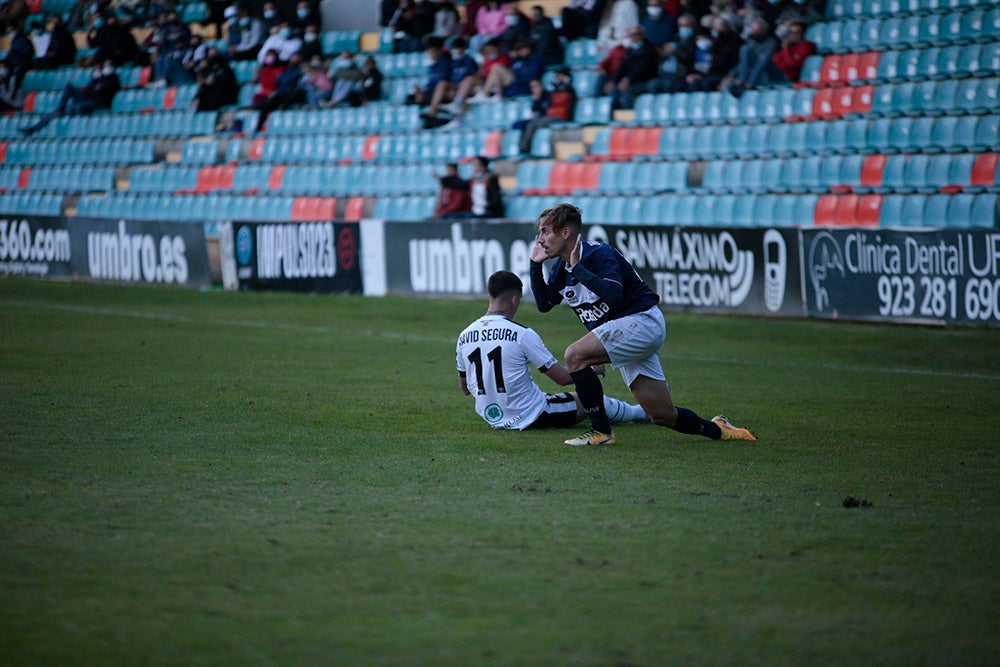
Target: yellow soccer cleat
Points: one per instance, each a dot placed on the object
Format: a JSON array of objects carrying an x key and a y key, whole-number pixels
[
  {"x": 730, "y": 432},
  {"x": 592, "y": 437}
]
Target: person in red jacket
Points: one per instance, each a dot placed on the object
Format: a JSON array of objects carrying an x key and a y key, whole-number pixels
[
  {"x": 548, "y": 106},
  {"x": 795, "y": 48},
  {"x": 453, "y": 196}
]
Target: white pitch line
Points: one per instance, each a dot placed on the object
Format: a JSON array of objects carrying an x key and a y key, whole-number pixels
[{"x": 256, "y": 324}]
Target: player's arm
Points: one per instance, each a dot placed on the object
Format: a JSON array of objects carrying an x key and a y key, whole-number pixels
[
  {"x": 599, "y": 273},
  {"x": 464, "y": 384},
  {"x": 547, "y": 296}
]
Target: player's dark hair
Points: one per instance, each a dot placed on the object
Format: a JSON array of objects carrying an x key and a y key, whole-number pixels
[
  {"x": 503, "y": 282},
  {"x": 560, "y": 216}
]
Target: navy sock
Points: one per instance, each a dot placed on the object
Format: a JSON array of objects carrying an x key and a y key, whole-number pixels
[
  {"x": 591, "y": 393},
  {"x": 690, "y": 423}
]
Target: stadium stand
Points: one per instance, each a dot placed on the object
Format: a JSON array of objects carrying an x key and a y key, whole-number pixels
[{"x": 895, "y": 122}]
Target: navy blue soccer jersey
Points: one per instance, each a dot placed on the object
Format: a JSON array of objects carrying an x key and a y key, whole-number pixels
[{"x": 603, "y": 286}]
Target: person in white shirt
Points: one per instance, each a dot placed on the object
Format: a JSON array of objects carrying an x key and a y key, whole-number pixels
[
  {"x": 283, "y": 42},
  {"x": 495, "y": 355}
]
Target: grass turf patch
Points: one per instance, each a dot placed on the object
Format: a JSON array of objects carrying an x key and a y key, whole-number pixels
[{"x": 221, "y": 478}]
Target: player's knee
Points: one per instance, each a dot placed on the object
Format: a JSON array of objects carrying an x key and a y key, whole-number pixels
[
  {"x": 664, "y": 416},
  {"x": 574, "y": 360}
]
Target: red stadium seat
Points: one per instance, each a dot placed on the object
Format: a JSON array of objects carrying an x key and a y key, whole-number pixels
[
  {"x": 869, "y": 210},
  {"x": 846, "y": 211},
  {"x": 984, "y": 170},
  {"x": 257, "y": 149},
  {"x": 370, "y": 149},
  {"x": 871, "y": 171},
  {"x": 825, "y": 214},
  {"x": 276, "y": 178},
  {"x": 492, "y": 146},
  {"x": 170, "y": 97},
  {"x": 3, "y": 151},
  {"x": 829, "y": 72},
  {"x": 868, "y": 65},
  {"x": 309, "y": 209},
  {"x": 355, "y": 209}
]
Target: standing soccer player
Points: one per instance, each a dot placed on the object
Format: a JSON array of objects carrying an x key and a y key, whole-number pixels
[
  {"x": 495, "y": 355},
  {"x": 626, "y": 327}
]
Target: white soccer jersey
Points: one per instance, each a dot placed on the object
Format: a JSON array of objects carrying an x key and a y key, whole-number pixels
[{"x": 497, "y": 355}]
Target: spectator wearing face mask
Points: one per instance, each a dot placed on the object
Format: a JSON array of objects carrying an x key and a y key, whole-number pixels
[
  {"x": 462, "y": 65},
  {"x": 84, "y": 100},
  {"x": 249, "y": 34},
  {"x": 581, "y": 18},
  {"x": 305, "y": 15},
  {"x": 660, "y": 26},
  {"x": 311, "y": 45},
  {"x": 545, "y": 36},
  {"x": 287, "y": 91},
  {"x": 697, "y": 73},
  {"x": 447, "y": 22},
  {"x": 676, "y": 58},
  {"x": 111, "y": 41},
  {"x": 637, "y": 67},
  {"x": 785, "y": 12},
  {"x": 270, "y": 17},
  {"x": 346, "y": 77},
  {"x": 755, "y": 66},
  {"x": 316, "y": 83},
  {"x": 267, "y": 77},
  {"x": 20, "y": 54},
  {"x": 518, "y": 28},
  {"x": 282, "y": 42},
  {"x": 438, "y": 70},
  {"x": 794, "y": 51}
]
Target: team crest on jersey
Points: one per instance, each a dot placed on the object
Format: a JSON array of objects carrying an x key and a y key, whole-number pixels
[{"x": 493, "y": 413}]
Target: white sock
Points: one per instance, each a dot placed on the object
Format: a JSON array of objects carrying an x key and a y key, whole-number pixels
[{"x": 620, "y": 411}]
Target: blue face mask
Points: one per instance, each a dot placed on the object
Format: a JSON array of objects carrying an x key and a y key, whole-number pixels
[
  {"x": 98, "y": 23},
  {"x": 302, "y": 13},
  {"x": 685, "y": 32}
]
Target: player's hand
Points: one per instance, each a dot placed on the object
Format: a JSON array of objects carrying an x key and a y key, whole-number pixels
[
  {"x": 538, "y": 254},
  {"x": 574, "y": 256}
]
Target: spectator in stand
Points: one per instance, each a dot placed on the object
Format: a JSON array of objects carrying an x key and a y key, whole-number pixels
[
  {"x": 316, "y": 83},
  {"x": 518, "y": 28},
  {"x": 453, "y": 195},
  {"x": 249, "y": 33},
  {"x": 311, "y": 45},
  {"x": 755, "y": 66},
  {"x": 11, "y": 97},
  {"x": 492, "y": 57},
  {"x": 169, "y": 34},
  {"x": 112, "y": 41},
  {"x": 287, "y": 91},
  {"x": 407, "y": 36},
  {"x": 543, "y": 33},
  {"x": 423, "y": 14},
  {"x": 701, "y": 67},
  {"x": 785, "y": 12},
  {"x": 305, "y": 16},
  {"x": 347, "y": 78},
  {"x": 607, "y": 67},
  {"x": 386, "y": 10},
  {"x": 371, "y": 84},
  {"x": 168, "y": 66},
  {"x": 581, "y": 18},
  {"x": 548, "y": 107},
  {"x": 13, "y": 13},
  {"x": 527, "y": 66},
  {"x": 271, "y": 17},
  {"x": 491, "y": 22},
  {"x": 619, "y": 18},
  {"x": 267, "y": 77},
  {"x": 447, "y": 22},
  {"x": 794, "y": 51},
  {"x": 438, "y": 70},
  {"x": 20, "y": 54},
  {"x": 677, "y": 57},
  {"x": 462, "y": 65},
  {"x": 39, "y": 37},
  {"x": 62, "y": 47},
  {"x": 484, "y": 188},
  {"x": 281, "y": 42},
  {"x": 727, "y": 44},
  {"x": 469, "y": 22},
  {"x": 84, "y": 100},
  {"x": 217, "y": 85},
  {"x": 660, "y": 26},
  {"x": 638, "y": 66}
]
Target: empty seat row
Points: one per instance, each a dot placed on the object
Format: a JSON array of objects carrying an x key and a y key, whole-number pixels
[
  {"x": 954, "y": 96},
  {"x": 73, "y": 178},
  {"x": 341, "y": 180},
  {"x": 31, "y": 203},
  {"x": 105, "y": 125},
  {"x": 841, "y": 9},
  {"x": 404, "y": 208},
  {"x": 142, "y": 99},
  {"x": 206, "y": 207},
  {"x": 782, "y": 210},
  {"x": 899, "y": 32},
  {"x": 872, "y": 173},
  {"x": 718, "y": 107},
  {"x": 382, "y": 117},
  {"x": 56, "y": 79},
  {"x": 910, "y": 65},
  {"x": 858, "y": 135},
  {"x": 82, "y": 151}
]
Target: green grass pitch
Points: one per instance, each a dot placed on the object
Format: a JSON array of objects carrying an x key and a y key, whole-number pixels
[{"x": 208, "y": 478}]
